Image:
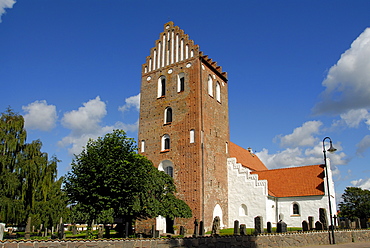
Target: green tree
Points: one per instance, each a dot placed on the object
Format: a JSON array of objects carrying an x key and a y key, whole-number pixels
[
  {"x": 109, "y": 175},
  {"x": 28, "y": 180},
  {"x": 356, "y": 203}
]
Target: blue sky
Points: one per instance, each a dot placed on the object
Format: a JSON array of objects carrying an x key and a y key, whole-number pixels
[{"x": 298, "y": 71}]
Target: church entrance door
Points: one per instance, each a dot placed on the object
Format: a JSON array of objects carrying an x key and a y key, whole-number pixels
[{"x": 169, "y": 225}]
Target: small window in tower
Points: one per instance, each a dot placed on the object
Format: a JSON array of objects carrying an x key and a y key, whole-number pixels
[
  {"x": 210, "y": 85},
  {"x": 218, "y": 92},
  {"x": 295, "y": 209},
  {"x": 165, "y": 142},
  {"x": 142, "y": 146},
  {"x": 167, "y": 167},
  {"x": 192, "y": 136},
  {"x": 169, "y": 171},
  {"x": 168, "y": 115},
  {"x": 161, "y": 86},
  {"x": 181, "y": 82}
]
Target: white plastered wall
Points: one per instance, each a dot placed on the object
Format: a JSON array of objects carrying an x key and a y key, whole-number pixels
[
  {"x": 308, "y": 206},
  {"x": 245, "y": 188}
]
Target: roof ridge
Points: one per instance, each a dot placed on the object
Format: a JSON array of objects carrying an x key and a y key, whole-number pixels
[{"x": 293, "y": 167}]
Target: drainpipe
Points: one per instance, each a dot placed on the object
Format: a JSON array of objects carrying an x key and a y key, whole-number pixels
[{"x": 276, "y": 209}]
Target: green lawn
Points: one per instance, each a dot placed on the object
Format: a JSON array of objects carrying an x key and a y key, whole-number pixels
[
  {"x": 68, "y": 234},
  {"x": 94, "y": 234}
]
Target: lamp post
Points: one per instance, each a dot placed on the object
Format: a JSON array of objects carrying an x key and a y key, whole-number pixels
[{"x": 331, "y": 149}]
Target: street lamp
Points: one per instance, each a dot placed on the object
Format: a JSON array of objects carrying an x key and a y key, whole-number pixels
[{"x": 331, "y": 149}]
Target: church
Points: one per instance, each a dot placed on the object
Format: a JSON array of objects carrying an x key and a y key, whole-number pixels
[{"x": 184, "y": 131}]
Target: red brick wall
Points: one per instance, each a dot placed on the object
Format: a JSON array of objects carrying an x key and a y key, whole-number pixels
[{"x": 200, "y": 169}]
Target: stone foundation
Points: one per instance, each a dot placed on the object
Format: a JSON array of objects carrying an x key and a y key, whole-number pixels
[{"x": 248, "y": 241}]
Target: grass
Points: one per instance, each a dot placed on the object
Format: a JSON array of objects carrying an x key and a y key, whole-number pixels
[
  {"x": 84, "y": 234},
  {"x": 68, "y": 234}
]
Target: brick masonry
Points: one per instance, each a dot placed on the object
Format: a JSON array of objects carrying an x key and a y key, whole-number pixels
[
  {"x": 199, "y": 168},
  {"x": 248, "y": 241}
]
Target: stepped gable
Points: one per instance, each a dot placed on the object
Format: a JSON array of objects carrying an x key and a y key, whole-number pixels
[
  {"x": 294, "y": 181},
  {"x": 174, "y": 46},
  {"x": 246, "y": 158}
]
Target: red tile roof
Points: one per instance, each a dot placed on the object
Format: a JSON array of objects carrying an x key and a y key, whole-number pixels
[
  {"x": 246, "y": 158},
  {"x": 294, "y": 181}
]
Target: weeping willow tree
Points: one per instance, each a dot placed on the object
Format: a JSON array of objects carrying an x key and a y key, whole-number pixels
[{"x": 28, "y": 179}]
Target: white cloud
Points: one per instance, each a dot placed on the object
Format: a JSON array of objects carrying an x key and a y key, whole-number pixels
[
  {"x": 363, "y": 145},
  {"x": 87, "y": 118},
  {"x": 40, "y": 116},
  {"x": 5, "y": 4},
  {"x": 348, "y": 81},
  {"x": 127, "y": 127},
  {"x": 84, "y": 124},
  {"x": 298, "y": 157},
  {"x": 286, "y": 158},
  {"x": 354, "y": 117},
  {"x": 301, "y": 136},
  {"x": 131, "y": 102},
  {"x": 362, "y": 183},
  {"x": 335, "y": 171},
  {"x": 302, "y": 147}
]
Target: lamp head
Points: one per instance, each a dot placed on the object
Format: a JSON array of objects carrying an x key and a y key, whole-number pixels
[{"x": 331, "y": 148}]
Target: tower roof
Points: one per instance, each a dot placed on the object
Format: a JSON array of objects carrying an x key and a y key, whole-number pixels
[
  {"x": 294, "y": 181},
  {"x": 174, "y": 46},
  {"x": 246, "y": 158}
]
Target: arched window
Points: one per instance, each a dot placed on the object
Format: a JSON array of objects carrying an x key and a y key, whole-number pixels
[
  {"x": 168, "y": 115},
  {"x": 192, "y": 136},
  {"x": 218, "y": 92},
  {"x": 181, "y": 82},
  {"x": 161, "y": 86},
  {"x": 167, "y": 167},
  {"x": 165, "y": 142},
  {"x": 295, "y": 209},
  {"x": 243, "y": 211},
  {"x": 210, "y": 85}
]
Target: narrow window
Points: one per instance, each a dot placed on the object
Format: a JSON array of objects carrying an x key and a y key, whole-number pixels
[
  {"x": 192, "y": 136},
  {"x": 161, "y": 86},
  {"x": 295, "y": 209},
  {"x": 181, "y": 82},
  {"x": 218, "y": 92},
  {"x": 169, "y": 171},
  {"x": 210, "y": 85},
  {"x": 165, "y": 142},
  {"x": 167, "y": 167},
  {"x": 143, "y": 146},
  {"x": 168, "y": 115}
]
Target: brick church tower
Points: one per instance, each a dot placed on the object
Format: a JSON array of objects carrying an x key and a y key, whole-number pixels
[{"x": 184, "y": 124}]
